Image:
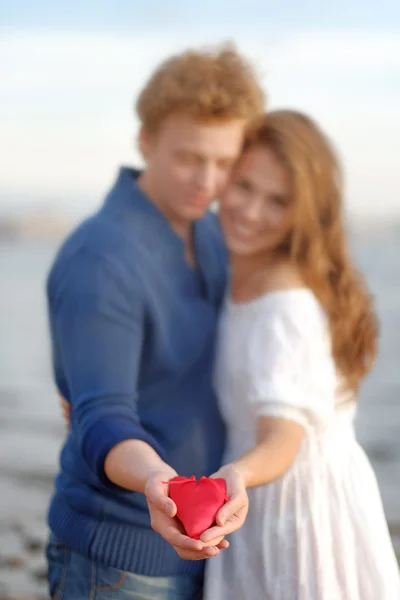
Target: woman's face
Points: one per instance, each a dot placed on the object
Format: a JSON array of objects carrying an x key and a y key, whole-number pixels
[{"x": 256, "y": 208}]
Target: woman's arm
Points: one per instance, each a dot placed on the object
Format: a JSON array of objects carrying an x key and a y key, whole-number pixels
[{"x": 278, "y": 443}]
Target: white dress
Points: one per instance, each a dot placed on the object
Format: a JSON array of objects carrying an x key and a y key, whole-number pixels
[{"x": 318, "y": 532}]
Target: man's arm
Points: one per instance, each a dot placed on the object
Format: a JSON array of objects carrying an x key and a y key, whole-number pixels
[
  {"x": 98, "y": 326},
  {"x": 97, "y": 323},
  {"x": 118, "y": 463},
  {"x": 162, "y": 518}
]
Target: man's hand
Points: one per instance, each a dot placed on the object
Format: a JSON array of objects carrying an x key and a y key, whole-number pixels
[
  {"x": 163, "y": 512},
  {"x": 233, "y": 514},
  {"x": 163, "y": 520}
]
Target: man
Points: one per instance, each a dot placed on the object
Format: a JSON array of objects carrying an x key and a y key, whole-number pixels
[{"x": 133, "y": 300}]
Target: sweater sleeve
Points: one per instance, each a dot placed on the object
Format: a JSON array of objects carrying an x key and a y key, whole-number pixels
[{"x": 98, "y": 323}]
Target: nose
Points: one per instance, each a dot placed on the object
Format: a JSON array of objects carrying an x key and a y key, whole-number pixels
[
  {"x": 206, "y": 177},
  {"x": 251, "y": 209}
]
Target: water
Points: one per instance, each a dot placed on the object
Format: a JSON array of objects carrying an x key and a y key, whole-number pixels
[{"x": 31, "y": 428}]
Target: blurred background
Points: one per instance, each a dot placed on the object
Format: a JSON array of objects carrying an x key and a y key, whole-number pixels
[{"x": 69, "y": 76}]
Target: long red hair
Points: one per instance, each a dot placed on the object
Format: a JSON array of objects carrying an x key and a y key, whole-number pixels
[{"x": 318, "y": 241}]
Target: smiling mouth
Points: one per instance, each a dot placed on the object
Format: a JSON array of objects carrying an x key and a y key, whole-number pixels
[{"x": 242, "y": 230}]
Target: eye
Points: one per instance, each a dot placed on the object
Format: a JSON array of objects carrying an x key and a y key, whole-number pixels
[
  {"x": 225, "y": 165},
  {"x": 244, "y": 185},
  {"x": 187, "y": 158},
  {"x": 281, "y": 201}
]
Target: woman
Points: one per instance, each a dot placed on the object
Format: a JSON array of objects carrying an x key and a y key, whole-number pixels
[{"x": 297, "y": 336}]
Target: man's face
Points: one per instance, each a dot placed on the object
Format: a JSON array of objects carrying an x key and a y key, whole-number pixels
[{"x": 189, "y": 162}]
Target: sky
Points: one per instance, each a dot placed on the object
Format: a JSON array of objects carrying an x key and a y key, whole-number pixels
[{"x": 70, "y": 73}]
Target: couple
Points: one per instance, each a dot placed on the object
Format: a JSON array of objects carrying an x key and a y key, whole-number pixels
[{"x": 148, "y": 318}]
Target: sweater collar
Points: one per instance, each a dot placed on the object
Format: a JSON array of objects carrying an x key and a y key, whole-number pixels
[{"x": 149, "y": 224}]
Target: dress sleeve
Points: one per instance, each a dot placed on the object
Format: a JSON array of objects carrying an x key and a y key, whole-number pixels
[{"x": 293, "y": 373}]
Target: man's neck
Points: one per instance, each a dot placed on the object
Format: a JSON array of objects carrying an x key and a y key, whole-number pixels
[{"x": 182, "y": 228}]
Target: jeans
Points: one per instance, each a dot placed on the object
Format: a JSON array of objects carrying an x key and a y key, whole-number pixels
[{"x": 73, "y": 576}]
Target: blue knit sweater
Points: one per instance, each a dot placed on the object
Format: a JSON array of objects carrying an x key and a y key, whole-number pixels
[{"x": 133, "y": 330}]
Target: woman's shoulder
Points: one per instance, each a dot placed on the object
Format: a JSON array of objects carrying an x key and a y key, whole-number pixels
[
  {"x": 294, "y": 310},
  {"x": 285, "y": 303},
  {"x": 283, "y": 275},
  {"x": 290, "y": 298}
]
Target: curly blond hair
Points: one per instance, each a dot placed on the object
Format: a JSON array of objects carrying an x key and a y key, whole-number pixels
[
  {"x": 318, "y": 243},
  {"x": 210, "y": 85}
]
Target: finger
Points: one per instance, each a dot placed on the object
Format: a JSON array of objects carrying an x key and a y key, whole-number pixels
[
  {"x": 191, "y": 556},
  {"x": 223, "y": 545},
  {"x": 231, "y": 508},
  {"x": 212, "y": 534},
  {"x": 210, "y": 552},
  {"x": 177, "y": 539},
  {"x": 204, "y": 554},
  {"x": 156, "y": 493},
  {"x": 234, "y": 523},
  {"x": 213, "y": 541}
]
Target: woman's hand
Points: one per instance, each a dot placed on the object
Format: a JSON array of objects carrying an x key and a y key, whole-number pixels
[
  {"x": 66, "y": 411},
  {"x": 233, "y": 514}
]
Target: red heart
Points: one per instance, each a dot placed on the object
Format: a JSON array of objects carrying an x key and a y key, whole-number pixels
[{"x": 197, "y": 502}]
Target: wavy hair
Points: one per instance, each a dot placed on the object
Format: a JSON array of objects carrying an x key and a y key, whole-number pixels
[
  {"x": 214, "y": 85},
  {"x": 318, "y": 242}
]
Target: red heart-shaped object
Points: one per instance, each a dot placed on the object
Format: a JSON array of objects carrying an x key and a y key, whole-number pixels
[{"x": 197, "y": 502}]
